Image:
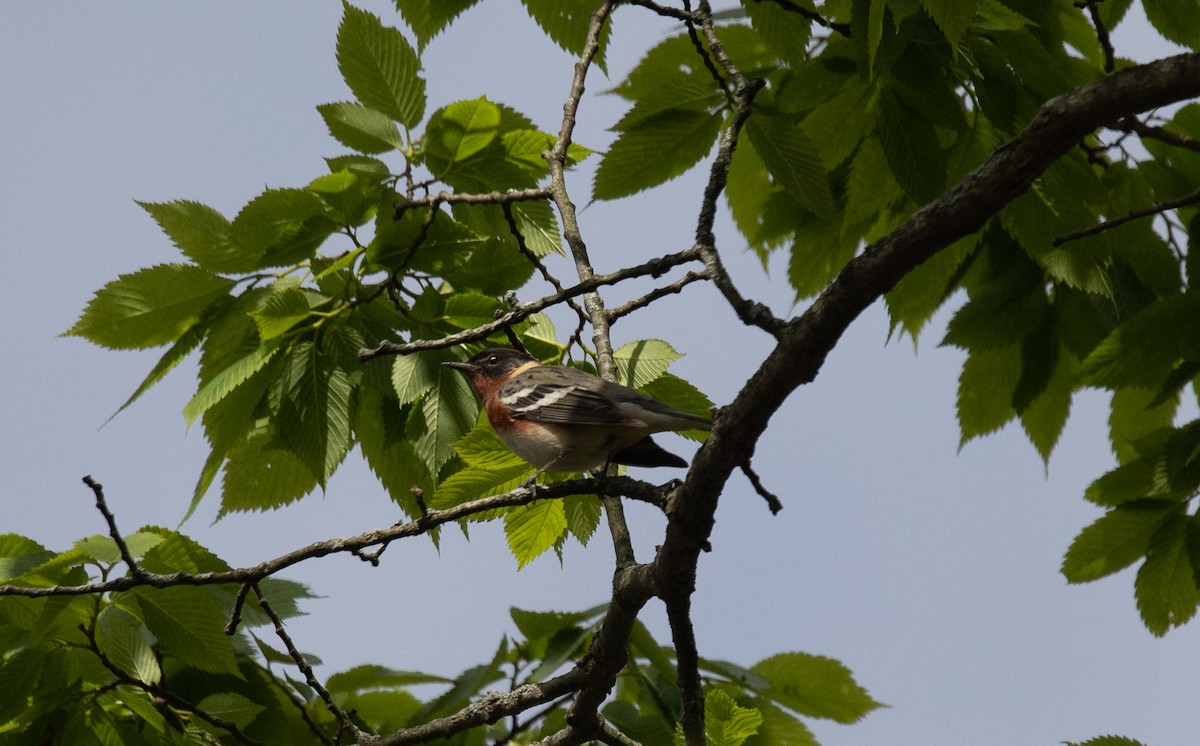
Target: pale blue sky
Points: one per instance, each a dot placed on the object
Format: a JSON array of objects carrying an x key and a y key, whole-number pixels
[{"x": 932, "y": 574}]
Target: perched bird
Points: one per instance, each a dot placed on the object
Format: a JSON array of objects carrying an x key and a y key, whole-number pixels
[{"x": 562, "y": 419}]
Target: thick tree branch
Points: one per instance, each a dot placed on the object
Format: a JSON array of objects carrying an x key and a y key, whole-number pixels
[{"x": 806, "y": 340}]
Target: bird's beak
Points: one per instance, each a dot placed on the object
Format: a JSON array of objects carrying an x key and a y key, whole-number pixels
[{"x": 464, "y": 367}]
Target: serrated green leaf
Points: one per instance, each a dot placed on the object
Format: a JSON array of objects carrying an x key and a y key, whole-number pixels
[
  {"x": 792, "y": 160},
  {"x": 170, "y": 359},
  {"x": 380, "y": 67},
  {"x": 428, "y": 18},
  {"x": 202, "y": 234},
  {"x": 682, "y": 395},
  {"x": 232, "y": 707},
  {"x": 1176, "y": 20},
  {"x": 913, "y": 301},
  {"x": 725, "y": 722},
  {"x": 1165, "y": 587},
  {"x": 1045, "y": 415},
  {"x": 838, "y": 124},
  {"x": 475, "y": 482},
  {"x": 282, "y": 227},
  {"x": 373, "y": 676},
  {"x": 566, "y": 22},
  {"x": 912, "y": 148},
  {"x": 1144, "y": 350},
  {"x": 365, "y": 130},
  {"x": 447, "y": 411},
  {"x": 583, "y": 516},
  {"x": 785, "y": 32},
  {"x": 1106, "y": 741},
  {"x": 536, "y": 625},
  {"x": 458, "y": 131},
  {"x": 284, "y": 309},
  {"x": 985, "y": 391},
  {"x": 1116, "y": 540},
  {"x": 188, "y": 624},
  {"x": 532, "y": 529},
  {"x": 815, "y": 686},
  {"x": 953, "y": 17},
  {"x": 379, "y": 430},
  {"x": 313, "y": 414},
  {"x": 818, "y": 253},
  {"x": 870, "y": 188},
  {"x": 223, "y": 383},
  {"x": 640, "y": 362},
  {"x": 263, "y": 474},
  {"x": 1132, "y": 481},
  {"x": 128, "y": 644},
  {"x": 539, "y": 226},
  {"x": 151, "y": 307},
  {"x": 655, "y": 151},
  {"x": 19, "y": 673},
  {"x": 1133, "y": 416}
]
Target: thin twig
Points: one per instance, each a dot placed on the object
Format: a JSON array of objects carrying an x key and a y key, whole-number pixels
[
  {"x": 687, "y": 663},
  {"x": 1143, "y": 130},
  {"x": 303, "y": 664},
  {"x": 655, "y": 266},
  {"x": 1101, "y": 34},
  {"x": 772, "y": 501},
  {"x": 1144, "y": 212},
  {"x": 239, "y": 604},
  {"x": 627, "y": 486},
  {"x": 536, "y": 261},
  {"x": 817, "y": 18},
  {"x": 158, "y": 692},
  {"x": 675, "y": 287},
  {"x": 102, "y": 505}
]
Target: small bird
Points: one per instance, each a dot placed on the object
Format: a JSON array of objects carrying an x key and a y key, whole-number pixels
[{"x": 562, "y": 419}]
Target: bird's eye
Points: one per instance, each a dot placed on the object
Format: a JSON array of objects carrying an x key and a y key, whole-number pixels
[{"x": 493, "y": 360}]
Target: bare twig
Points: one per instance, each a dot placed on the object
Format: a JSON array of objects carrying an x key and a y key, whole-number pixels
[
  {"x": 486, "y": 198},
  {"x": 772, "y": 500},
  {"x": 102, "y": 505},
  {"x": 627, "y": 486},
  {"x": 158, "y": 692},
  {"x": 655, "y": 266},
  {"x": 536, "y": 261},
  {"x": 303, "y": 664},
  {"x": 687, "y": 663},
  {"x": 235, "y": 619},
  {"x": 1101, "y": 33},
  {"x": 1143, "y": 130},
  {"x": 675, "y": 287},
  {"x": 817, "y": 18},
  {"x": 1144, "y": 212}
]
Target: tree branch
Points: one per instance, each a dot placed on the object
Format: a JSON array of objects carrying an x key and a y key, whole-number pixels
[
  {"x": 611, "y": 486},
  {"x": 1144, "y": 212}
]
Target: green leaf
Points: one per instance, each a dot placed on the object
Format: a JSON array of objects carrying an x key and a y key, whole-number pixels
[
  {"x": 655, "y": 151},
  {"x": 725, "y": 722},
  {"x": 566, "y": 22},
  {"x": 785, "y": 32},
  {"x": 1176, "y": 20},
  {"x": 870, "y": 189},
  {"x": 282, "y": 227},
  {"x": 202, "y": 234},
  {"x": 174, "y": 355},
  {"x": 1165, "y": 587},
  {"x": 534, "y": 528},
  {"x": 536, "y": 625},
  {"x": 1045, "y": 415},
  {"x": 985, "y": 391},
  {"x": 189, "y": 625},
  {"x": 128, "y": 644},
  {"x": 1135, "y": 414},
  {"x": 262, "y": 473},
  {"x": 583, "y": 516},
  {"x": 365, "y": 130},
  {"x": 1116, "y": 540},
  {"x": 379, "y": 430},
  {"x": 1145, "y": 349},
  {"x": 373, "y": 676},
  {"x": 539, "y": 226},
  {"x": 19, "y": 674},
  {"x": 912, "y": 148},
  {"x": 921, "y": 292},
  {"x": 313, "y": 415},
  {"x": 428, "y": 18},
  {"x": 640, "y": 362},
  {"x": 792, "y": 160},
  {"x": 837, "y": 125},
  {"x": 447, "y": 412},
  {"x": 459, "y": 131},
  {"x": 953, "y": 17},
  {"x": 380, "y": 67},
  {"x": 225, "y": 382},
  {"x": 232, "y": 707},
  {"x": 151, "y": 307},
  {"x": 815, "y": 686},
  {"x": 283, "y": 309}
]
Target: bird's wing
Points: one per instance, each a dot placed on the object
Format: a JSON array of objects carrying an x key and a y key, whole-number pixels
[{"x": 560, "y": 395}]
